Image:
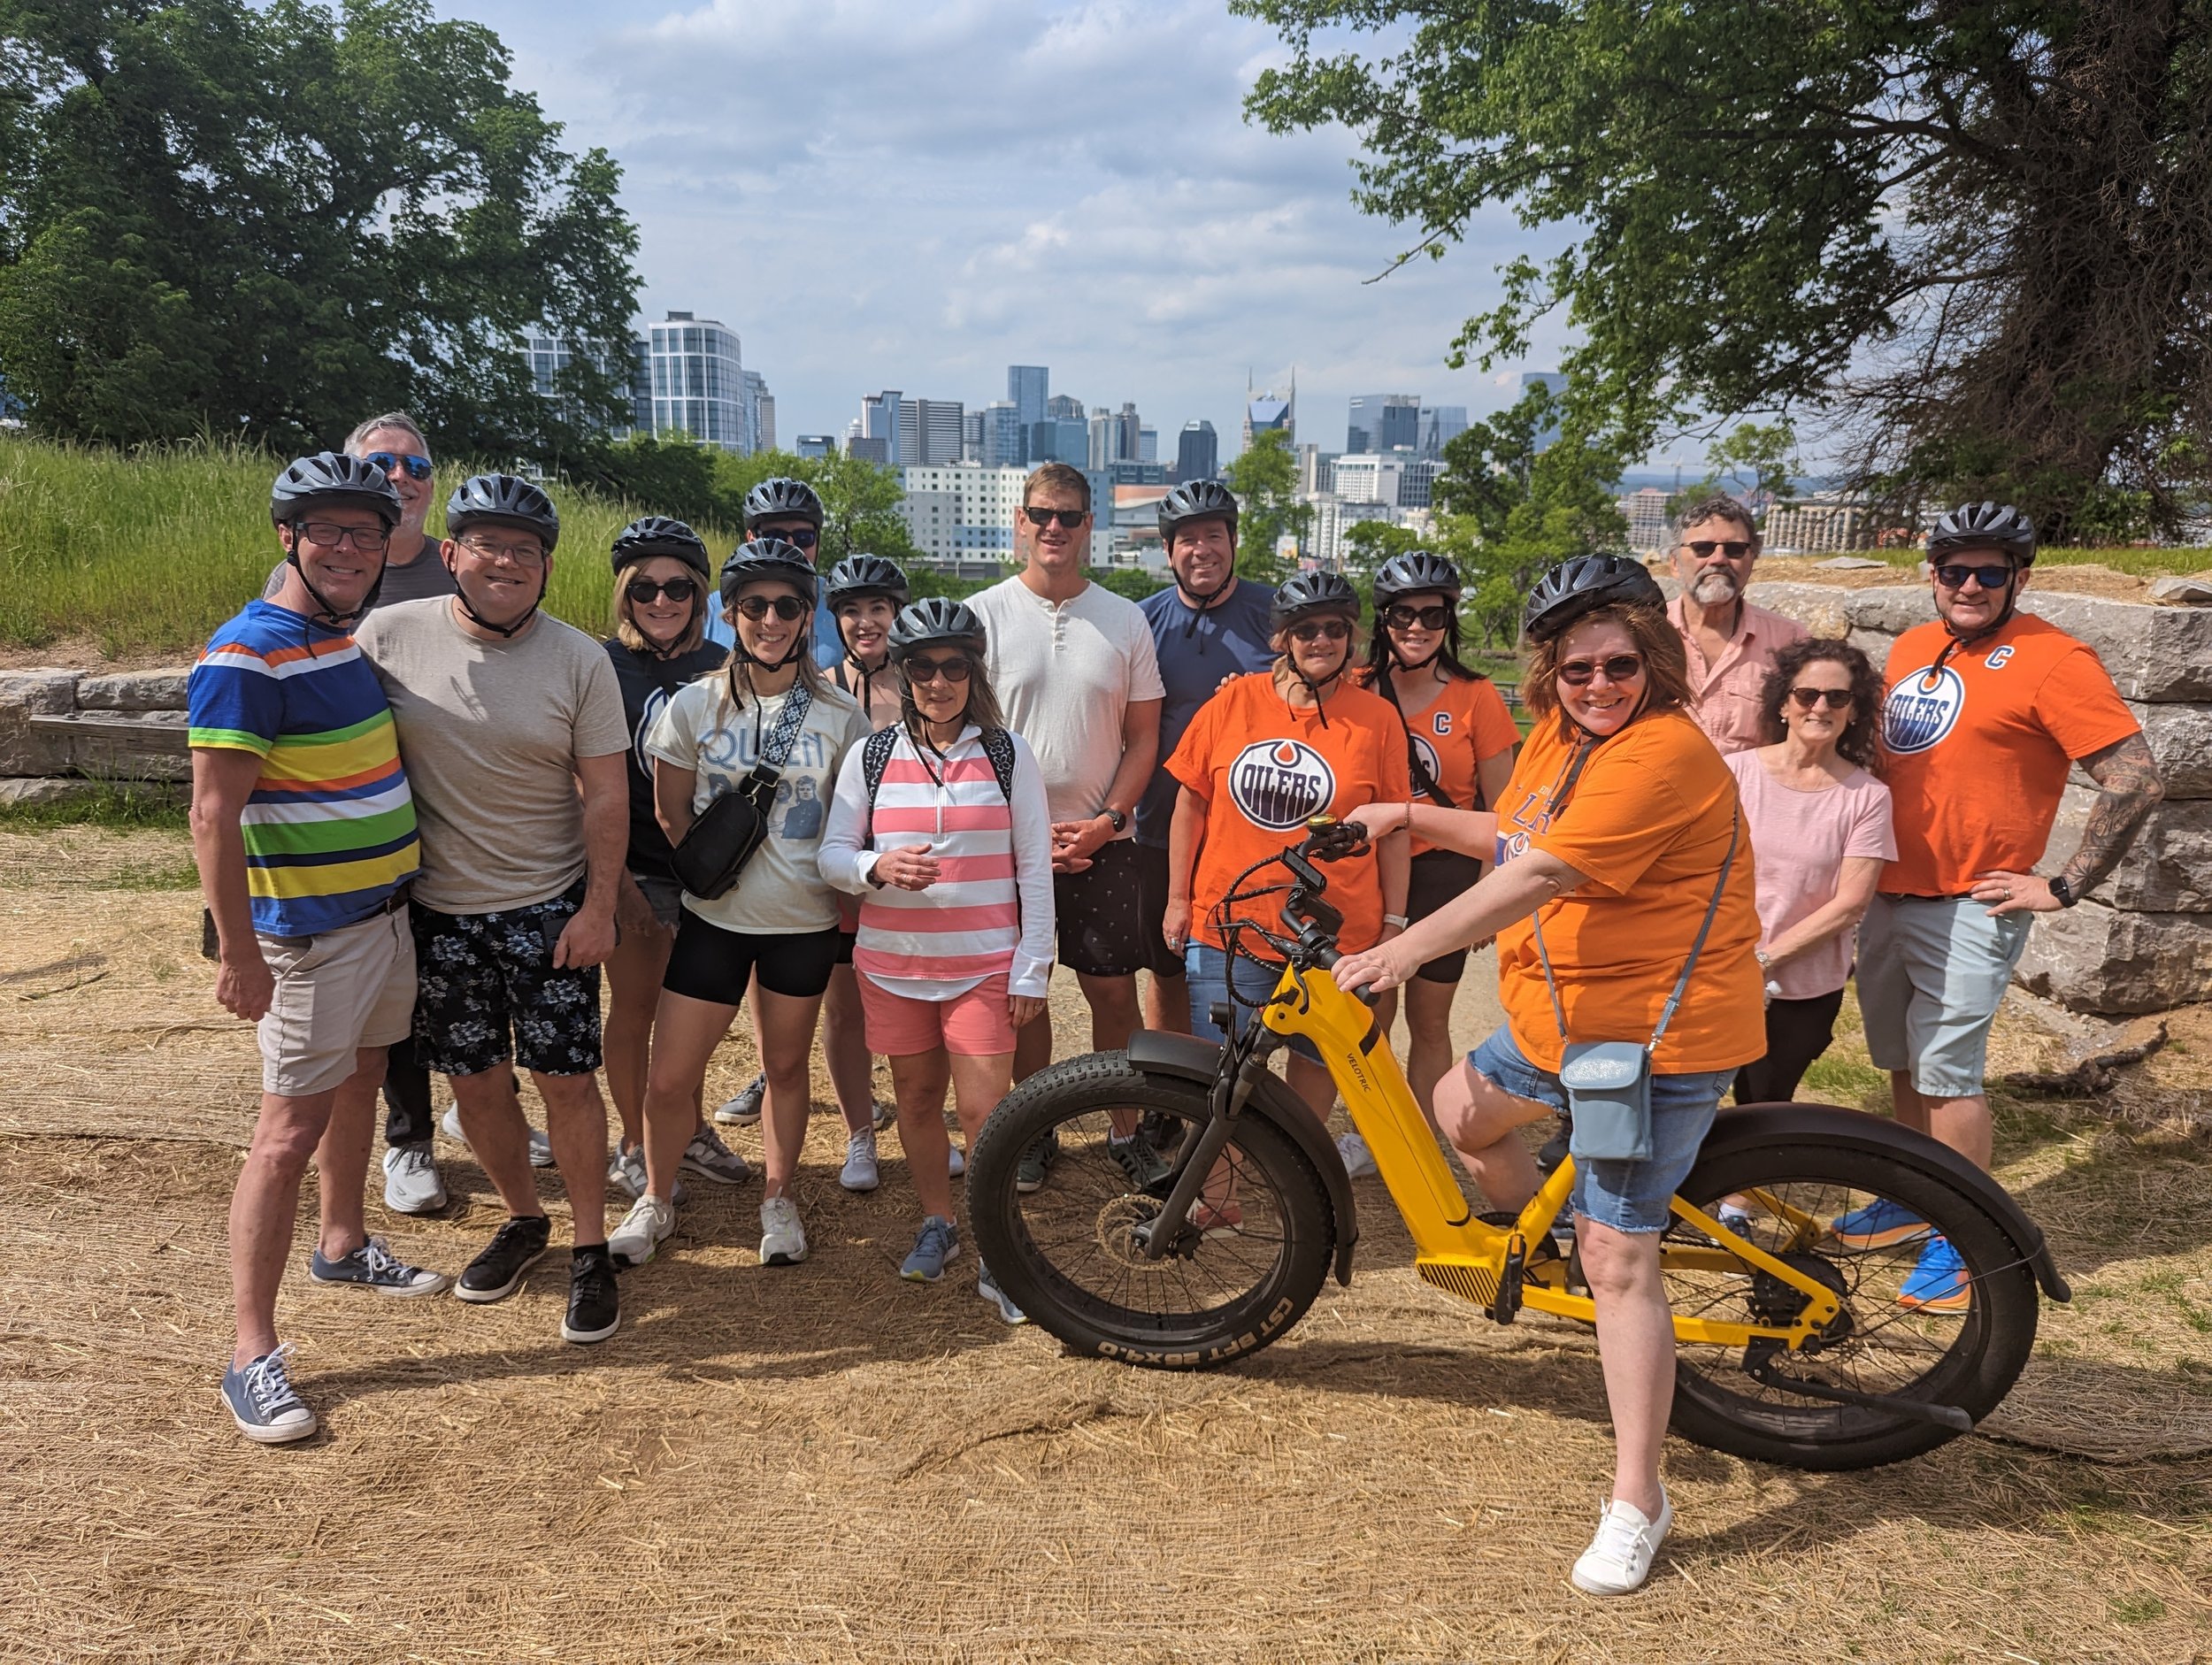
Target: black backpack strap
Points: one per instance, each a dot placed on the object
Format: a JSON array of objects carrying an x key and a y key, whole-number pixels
[
  {"x": 998, "y": 746},
  {"x": 875, "y": 757}
]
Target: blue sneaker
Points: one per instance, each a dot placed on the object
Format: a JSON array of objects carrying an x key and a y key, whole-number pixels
[
  {"x": 375, "y": 1267},
  {"x": 1878, "y": 1225},
  {"x": 938, "y": 1243},
  {"x": 260, "y": 1399},
  {"x": 987, "y": 1287},
  {"x": 1939, "y": 1282}
]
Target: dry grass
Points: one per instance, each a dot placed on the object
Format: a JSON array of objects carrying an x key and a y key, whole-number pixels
[{"x": 821, "y": 1463}]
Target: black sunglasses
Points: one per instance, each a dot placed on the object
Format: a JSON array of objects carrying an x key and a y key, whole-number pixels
[
  {"x": 919, "y": 671},
  {"x": 1952, "y": 576},
  {"x": 1834, "y": 699},
  {"x": 1321, "y": 630},
  {"x": 385, "y": 462},
  {"x": 1734, "y": 549},
  {"x": 1070, "y": 519},
  {"x": 1404, "y": 617},
  {"x": 644, "y": 591},
  {"x": 798, "y": 537},
  {"x": 1619, "y": 668},
  {"x": 757, "y": 607}
]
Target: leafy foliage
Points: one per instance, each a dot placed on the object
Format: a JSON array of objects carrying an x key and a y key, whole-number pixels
[
  {"x": 1750, "y": 461},
  {"x": 860, "y": 500},
  {"x": 1265, "y": 480}
]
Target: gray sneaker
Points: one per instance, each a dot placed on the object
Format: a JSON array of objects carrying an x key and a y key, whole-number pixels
[
  {"x": 987, "y": 1287},
  {"x": 540, "y": 1147},
  {"x": 861, "y": 1172},
  {"x": 260, "y": 1399},
  {"x": 375, "y": 1267},
  {"x": 1029, "y": 1173},
  {"x": 1136, "y": 1157},
  {"x": 625, "y": 1168},
  {"x": 411, "y": 1185},
  {"x": 884, "y": 1115},
  {"x": 745, "y": 1107},
  {"x": 938, "y": 1243},
  {"x": 711, "y": 1159}
]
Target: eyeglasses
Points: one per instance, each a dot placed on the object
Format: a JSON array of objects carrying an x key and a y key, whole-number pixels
[
  {"x": 798, "y": 537},
  {"x": 1321, "y": 630},
  {"x": 1952, "y": 576},
  {"x": 520, "y": 554},
  {"x": 1620, "y": 667},
  {"x": 954, "y": 670},
  {"x": 1070, "y": 519},
  {"x": 644, "y": 591},
  {"x": 1403, "y": 617},
  {"x": 328, "y": 534},
  {"x": 385, "y": 462},
  {"x": 1834, "y": 699},
  {"x": 1734, "y": 549},
  {"x": 785, "y": 607}
]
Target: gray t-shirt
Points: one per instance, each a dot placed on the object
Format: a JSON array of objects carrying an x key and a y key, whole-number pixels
[
  {"x": 490, "y": 733},
  {"x": 420, "y": 579}
]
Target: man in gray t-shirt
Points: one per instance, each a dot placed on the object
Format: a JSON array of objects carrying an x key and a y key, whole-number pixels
[{"x": 512, "y": 726}]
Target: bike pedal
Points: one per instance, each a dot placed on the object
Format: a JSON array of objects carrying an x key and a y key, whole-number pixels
[{"x": 1507, "y": 1301}]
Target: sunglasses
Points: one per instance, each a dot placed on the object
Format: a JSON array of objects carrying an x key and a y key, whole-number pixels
[
  {"x": 326, "y": 534},
  {"x": 954, "y": 670},
  {"x": 758, "y": 607},
  {"x": 798, "y": 537},
  {"x": 644, "y": 591},
  {"x": 1321, "y": 630},
  {"x": 385, "y": 462},
  {"x": 1069, "y": 518},
  {"x": 1734, "y": 549},
  {"x": 1954, "y": 577},
  {"x": 1834, "y": 699},
  {"x": 1427, "y": 618},
  {"x": 1621, "y": 667}
]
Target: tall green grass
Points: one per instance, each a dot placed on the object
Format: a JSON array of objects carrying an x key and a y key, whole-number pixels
[
  {"x": 2139, "y": 562},
  {"x": 147, "y": 552}
]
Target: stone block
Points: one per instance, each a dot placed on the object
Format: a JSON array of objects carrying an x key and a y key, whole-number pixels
[
  {"x": 133, "y": 691},
  {"x": 2155, "y": 654},
  {"x": 2180, "y": 737},
  {"x": 2098, "y": 959},
  {"x": 2167, "y": 869},
  {"x": 1890, "y": 609},
  {"x": 45, "y": 692},
  {"x": 130, "y": 745},
  {"x": 71, "y": 789},
  {"x": 1822, "y": 608}
]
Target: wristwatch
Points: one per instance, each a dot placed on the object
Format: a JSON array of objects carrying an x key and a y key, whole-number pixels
[
  {"x": 1397, "y": 919},
  {"x": 2063, "y": 892},
  {"x": 1116, "y": 819}
]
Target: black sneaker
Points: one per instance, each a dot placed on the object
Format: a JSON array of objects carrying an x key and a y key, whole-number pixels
[
  {"x": 1136, "y": 1158},
  {"x": 595, "y": 1306},
  {"x": 1029, "y": 1172},
  {"x": 514, "y": 1249}
]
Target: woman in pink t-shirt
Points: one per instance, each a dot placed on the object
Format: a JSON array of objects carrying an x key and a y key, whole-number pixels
[{"x": 1820, "y": 824}]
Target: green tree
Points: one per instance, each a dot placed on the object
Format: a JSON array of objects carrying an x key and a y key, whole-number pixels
[
  {"x": 267, "y": 219},
  {"x": 1265, "y": 480},
  {"x": 1133, "y": 582},
  {"x": 1976, "y": 236},
  {"x": 1753, "y": 459},
  {"x": 1368, "y": 543}
]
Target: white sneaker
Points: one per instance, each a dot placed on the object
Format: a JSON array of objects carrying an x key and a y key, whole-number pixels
[
  {"x": 1359, "y": 1162},
  {"x": 745, "y": 1107},
  {"x": 643, "y": 1230},
  {"x": 540, "y": 1147},
  {"x": 782, "y": 1239},
  {"x": 1619, "y": 1557},
  {"x": 625, "y": 1168},
  {"x": 411, "y": 1185},
  {"x": 861, "y": 1172},
  {"x": 884, "y": 1115}
]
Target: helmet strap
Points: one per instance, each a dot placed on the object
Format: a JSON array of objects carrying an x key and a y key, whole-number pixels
[
  {"x": 506, "y": 632},
  {"x": 323, "y": 611}
]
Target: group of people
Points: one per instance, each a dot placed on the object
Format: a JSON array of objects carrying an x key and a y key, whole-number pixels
[{"x": 426, "y": 813}]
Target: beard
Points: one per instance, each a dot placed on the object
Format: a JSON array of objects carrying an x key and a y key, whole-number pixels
[{"x": 1714, "y": 588}]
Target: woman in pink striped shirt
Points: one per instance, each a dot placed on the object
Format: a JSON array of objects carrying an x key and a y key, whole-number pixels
[{"x": 939, "y": 826}]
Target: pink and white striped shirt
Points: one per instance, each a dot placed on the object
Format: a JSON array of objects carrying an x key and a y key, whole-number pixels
[{"x": 990, "y": 910}]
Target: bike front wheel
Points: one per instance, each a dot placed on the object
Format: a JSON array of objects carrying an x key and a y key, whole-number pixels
[{"x": 1079, "y": 1156}]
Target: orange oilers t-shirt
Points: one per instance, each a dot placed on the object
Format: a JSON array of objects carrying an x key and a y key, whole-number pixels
[
  {"x": 1647, "y": 820},
  {"x": 1262, "y": 766},
  {"x": 1466, "y": 724},
  {"x": 1978, "y": 752}
]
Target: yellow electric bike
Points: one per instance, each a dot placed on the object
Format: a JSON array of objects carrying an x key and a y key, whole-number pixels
[{"x": 1192, "y": 1209}]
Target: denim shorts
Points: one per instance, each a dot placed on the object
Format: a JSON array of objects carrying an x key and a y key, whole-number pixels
[
  {"x": 1206, "y": 968},
  {"x": 1931, "y": 971},
  {"x": 1629, "y": 1196}
]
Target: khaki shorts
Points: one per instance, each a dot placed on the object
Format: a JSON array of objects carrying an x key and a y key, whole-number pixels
[{"x": 336, "y": 991}]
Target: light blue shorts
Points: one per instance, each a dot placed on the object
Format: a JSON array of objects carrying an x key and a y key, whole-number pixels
[
  {"x": 1206, "y": 971},
  {"x": 1931, "y": 970},
  {"x": 1629, "y": 1196}
]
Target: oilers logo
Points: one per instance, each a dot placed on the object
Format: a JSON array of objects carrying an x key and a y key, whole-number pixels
[
  {"x": 1922, "y": 708},
  {"x": 1426, "y": 753},
  {"x": 1280, "y": 783}
]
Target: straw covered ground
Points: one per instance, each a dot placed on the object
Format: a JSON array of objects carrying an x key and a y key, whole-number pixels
[{"x": 821, "y": 1463}]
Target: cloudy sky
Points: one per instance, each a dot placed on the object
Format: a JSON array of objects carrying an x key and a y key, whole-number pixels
[{"x": 915, "y": 193}]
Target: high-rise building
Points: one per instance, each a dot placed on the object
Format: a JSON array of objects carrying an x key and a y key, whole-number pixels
[
  {"x": 972, "y": 437},
  {"x": 698, "y": 378},
  {"x": 1396, "y": 480},
  {"x": 1002, "y": 438},
  {"x": 1382, "y": 422},
  {"x": 1060, "y": 407},
  {"x": 929, "y": 433},
  {"x": 1027, "y": 387},
  {"x": 550, "y": 355},
  {"x": 1440, "y": 426},
  {"x": 1148, "y": 444},
  {"x": 1557, "y": 383},
  {"x": 1646, "y": 513},
  {"x": 881, "y": 418},
  {"x": 817, "y": 444},
  {"x": 1264, "y": 413},
  {"x": 1060, "y": 439},
  {"x": 1317, "y": 471},
  {"x": 760, "y": 413},
  {"x": 1197, "y": 452}
]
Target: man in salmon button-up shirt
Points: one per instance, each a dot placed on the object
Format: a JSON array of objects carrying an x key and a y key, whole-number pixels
[{"x": 1731, "y": 643}]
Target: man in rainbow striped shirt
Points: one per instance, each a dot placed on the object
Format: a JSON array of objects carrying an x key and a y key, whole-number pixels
[{"x": 305, "y": 833}]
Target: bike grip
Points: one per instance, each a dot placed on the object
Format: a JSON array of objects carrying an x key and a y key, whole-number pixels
[{"x": 1365, "y": 996}]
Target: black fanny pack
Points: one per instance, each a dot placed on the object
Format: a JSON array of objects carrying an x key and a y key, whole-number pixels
[{"x": 723, "y": 837}]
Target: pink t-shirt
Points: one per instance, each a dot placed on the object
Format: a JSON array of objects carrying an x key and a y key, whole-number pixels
[{"x": 1801, "y": 840}]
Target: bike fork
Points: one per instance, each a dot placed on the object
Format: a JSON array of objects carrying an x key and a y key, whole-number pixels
[{"x": 1161, "y": 1237}]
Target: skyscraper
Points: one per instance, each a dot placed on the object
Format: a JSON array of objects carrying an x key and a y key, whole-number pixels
[
  {"x": 881, "y": 416},
  {"x": 1060, "y": 407},
  {"x": 1148, "y": 444},
  {"x": 698, "y": 375},
  {"x": 1440, "y": 424},
  {"x": 1264, "y": 413},
  {"x": 1003, "y": 436},
  {"x": 1558, "y": 384},
  {"x": 1197, "y": 452},
  {"x": 760, "y": 413},
  {"x": 1027, "y": 386},
  {"x": 1383, "y": 422}
]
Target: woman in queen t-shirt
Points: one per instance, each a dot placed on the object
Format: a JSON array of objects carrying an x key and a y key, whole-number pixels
[{"x": 1820, "y": 823}]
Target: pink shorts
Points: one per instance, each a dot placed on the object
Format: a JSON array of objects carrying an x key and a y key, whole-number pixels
[{"x": 975, "y": 1025}]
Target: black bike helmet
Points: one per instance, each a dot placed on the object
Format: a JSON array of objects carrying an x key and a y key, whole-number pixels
[
  {"x": 782, "y": 498},
  {"x": 1194, "y": 501},
  {"x": 1985, "y": 525},
  {"x": 1577, "y": 587},
  {"x": 650, "y": 535},
  {"x": 857, "y": 577},
  {"x": 1304, "y": 594},
  {"x": 935, "y": 620},
  {"x": 1415, "y": 573},
  {"x": 503, "y": 500},
  {"x": 332, "y": 479},
  {"x": 766, "y": 557}
]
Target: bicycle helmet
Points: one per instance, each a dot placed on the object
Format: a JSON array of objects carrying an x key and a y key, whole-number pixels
[
  {"x": 782, "y": 498},
  {"x": 332, "y": 479},
  {"x": 1577, "y": 587},
  {"x": 1415, "y": 573},
  {"x": 656, "y": 534},
  {"x": 857, "y": 577},
  {"x": 1304, "y": 594},
  {"x": 934, "y": 620},
  {"x": 1194, "y": 501},
  {"x": 503, "y": 500},
  {"x": 766, "y": 557},
  {"x": 1985, "y": 525}
]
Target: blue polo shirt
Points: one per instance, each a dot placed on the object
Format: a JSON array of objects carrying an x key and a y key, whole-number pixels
[{"x": 1196, "y": 650}]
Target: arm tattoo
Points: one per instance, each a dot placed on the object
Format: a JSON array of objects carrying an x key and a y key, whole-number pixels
[{"x": 2128, "y": 776}]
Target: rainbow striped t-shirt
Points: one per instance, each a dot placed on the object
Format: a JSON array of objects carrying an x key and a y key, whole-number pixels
[{"x": 330, "y": 828}]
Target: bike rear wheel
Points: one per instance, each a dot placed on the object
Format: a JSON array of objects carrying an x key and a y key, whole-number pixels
[
  {"x": 1876, "y": 1227},
  {"x": 1065, "y": 1252}
]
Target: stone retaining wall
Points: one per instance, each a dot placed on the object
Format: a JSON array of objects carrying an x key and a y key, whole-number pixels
[
  {"x": 115, "y": 729},
  {"x": 2144, "y": 942}
]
